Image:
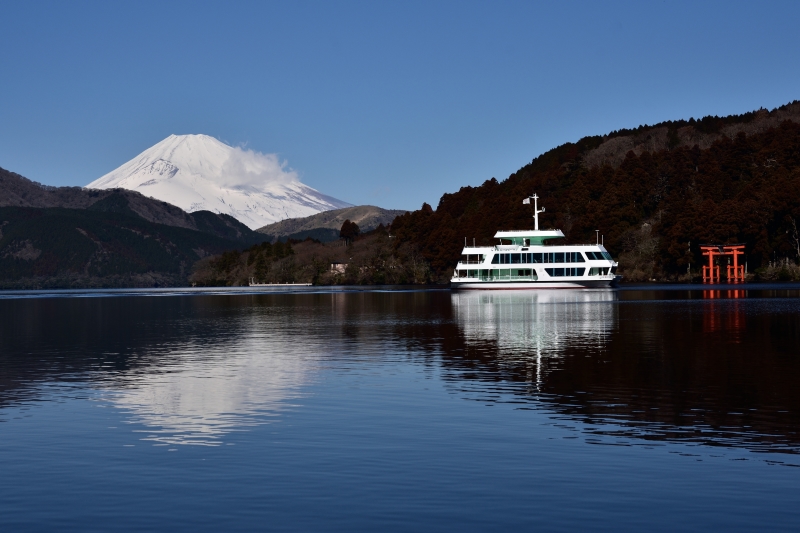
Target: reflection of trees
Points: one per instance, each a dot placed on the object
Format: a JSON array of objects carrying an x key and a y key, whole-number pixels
[
  {"x": 692, "y": 370},
  {"x": 657, "y": 373}
]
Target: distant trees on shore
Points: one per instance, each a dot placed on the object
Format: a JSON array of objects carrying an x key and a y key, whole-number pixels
[{"x": 654, "y": 208}]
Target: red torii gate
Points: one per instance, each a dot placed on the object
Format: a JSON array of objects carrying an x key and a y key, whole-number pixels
[{"x": 711, "y": 271}]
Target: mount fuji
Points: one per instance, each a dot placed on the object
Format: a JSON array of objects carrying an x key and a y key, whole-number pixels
[{"x": 198, "y": 172}]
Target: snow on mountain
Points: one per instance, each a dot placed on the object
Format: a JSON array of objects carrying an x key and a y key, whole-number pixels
[{"x": 198, "y": 172}]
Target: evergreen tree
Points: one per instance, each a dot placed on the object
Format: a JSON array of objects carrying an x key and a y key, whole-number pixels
[{"x": 349, "y": 231}]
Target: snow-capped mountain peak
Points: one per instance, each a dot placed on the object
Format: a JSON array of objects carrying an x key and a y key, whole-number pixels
[{"x": 197, "y": 172}]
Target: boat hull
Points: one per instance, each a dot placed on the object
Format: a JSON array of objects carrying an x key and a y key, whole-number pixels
[{"x": 524, "y": 285}]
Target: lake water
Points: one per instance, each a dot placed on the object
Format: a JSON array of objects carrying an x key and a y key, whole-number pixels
[{"x": 652, "y": 409}]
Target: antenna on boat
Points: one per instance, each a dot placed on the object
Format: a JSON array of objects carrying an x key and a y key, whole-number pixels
[{"x": 536, "y": 210}]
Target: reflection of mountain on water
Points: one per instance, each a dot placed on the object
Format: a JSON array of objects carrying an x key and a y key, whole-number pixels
[
  {"x": 208, "y": 390},
  {"x": 189, "y": 369},
  {"x": 648, "y": 370}
]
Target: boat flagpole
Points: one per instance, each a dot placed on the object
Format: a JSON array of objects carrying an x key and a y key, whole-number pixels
[{"x": 536, "y": 211}]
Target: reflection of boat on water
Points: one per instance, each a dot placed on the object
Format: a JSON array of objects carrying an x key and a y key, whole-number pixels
[
  {"x": 536, "y": 326},
  {"x": 522, "y": 261},
  {"x": 514, "y": 317}
]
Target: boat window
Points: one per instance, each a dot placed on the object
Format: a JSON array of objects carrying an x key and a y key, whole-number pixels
[
  {"x": 577, "y": 257},
  {"x": 535, "y": 258},
  {"x": 496, "y": 259},
  {"x": 509, "y": 274},
  {"x": 559, "y": 257},
  {"x": 607, "y": 256},
  {"x": 558, "y": 272},
  {"x": 515, "y": 259}
]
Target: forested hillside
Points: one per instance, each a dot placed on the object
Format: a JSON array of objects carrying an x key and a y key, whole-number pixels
[
  {"x": 72, "y": 237},
  {"x": 655, "y": 193}
]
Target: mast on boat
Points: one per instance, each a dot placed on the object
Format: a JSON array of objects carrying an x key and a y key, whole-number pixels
[{"x": 536, "y": 209}]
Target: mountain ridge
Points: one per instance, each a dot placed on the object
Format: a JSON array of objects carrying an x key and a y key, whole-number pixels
[
  {"x": 325, "y": 226},
  {"x": 198, "y": 172}
]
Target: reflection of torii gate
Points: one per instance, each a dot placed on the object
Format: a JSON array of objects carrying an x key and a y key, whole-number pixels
[{"x": 711, "y": 271}]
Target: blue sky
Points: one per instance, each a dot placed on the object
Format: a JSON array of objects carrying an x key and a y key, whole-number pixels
[{"x": 391, "y": 104}]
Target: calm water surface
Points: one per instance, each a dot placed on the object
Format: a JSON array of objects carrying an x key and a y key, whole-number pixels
[{"x": 655, "y": 409}]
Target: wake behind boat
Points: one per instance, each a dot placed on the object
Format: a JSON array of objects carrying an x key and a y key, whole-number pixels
[{"x": 522, "y": 261}]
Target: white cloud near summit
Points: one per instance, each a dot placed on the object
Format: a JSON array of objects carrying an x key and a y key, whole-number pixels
[{"x": 251, "y": 168}]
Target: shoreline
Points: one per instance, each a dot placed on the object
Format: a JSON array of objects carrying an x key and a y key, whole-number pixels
[{"x": 6, "y": 294}]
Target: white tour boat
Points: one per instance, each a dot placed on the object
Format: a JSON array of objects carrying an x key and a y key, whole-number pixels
[{"x": 522, "y": 261}]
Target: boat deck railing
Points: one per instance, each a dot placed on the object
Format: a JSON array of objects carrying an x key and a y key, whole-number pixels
[
  {"x": 509, "y": 247},
  {"x": 537, "y": 245},
  {"x": 497, "y": 278}
]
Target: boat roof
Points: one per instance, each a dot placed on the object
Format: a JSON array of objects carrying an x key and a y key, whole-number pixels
[{"x": 530, "y": 233}]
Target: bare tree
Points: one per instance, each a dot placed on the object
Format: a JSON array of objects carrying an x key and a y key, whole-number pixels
[{"x": 795, "y": 237}]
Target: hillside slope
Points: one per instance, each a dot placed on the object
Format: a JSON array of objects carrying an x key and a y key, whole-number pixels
[
  {"x": 655, "y": 193},
  {"x": 18, "y": 191},
  {"x": 72, "y": 237},
  {"x": 57, "y": 247},
  {"x": 325, "y": 226}
]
